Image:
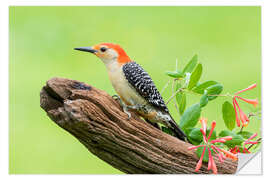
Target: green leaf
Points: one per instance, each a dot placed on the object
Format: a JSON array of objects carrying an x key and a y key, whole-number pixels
[
  {"x": 194, "y": 142},
  {"x": 181, "y": 99},
  {"x": 167, "y": 130},
  {"x": 201, "y": 87},
  {"x": 215, "y": 89},
  {"x": 228, "y": 115},
  {"x": 236, "y": 139},
  {"x": 188, "y": 130},
  {"x": 182, "y": 103},
  {"x": 196, "y": 136},
  {"x": 187, "y": 78},
  {"x": 191, "y": 116},
  {"x": 195, "y": 76},
  {"x": 191, "y": 65},
  {"x": 204, "y": 100},
  {"x": 174, "y": 74},
  {"x": 199, "y": 153},
  {"x": 245, "y": 134}
]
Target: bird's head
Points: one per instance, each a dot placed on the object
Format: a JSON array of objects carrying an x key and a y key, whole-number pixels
[{"x": 107, "y": 52}]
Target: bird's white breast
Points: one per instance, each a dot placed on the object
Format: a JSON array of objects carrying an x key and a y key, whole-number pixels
[{"x": 122, "y": 86}]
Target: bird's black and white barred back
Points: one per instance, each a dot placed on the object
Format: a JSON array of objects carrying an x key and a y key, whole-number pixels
[{"x": 144, "y": 85}]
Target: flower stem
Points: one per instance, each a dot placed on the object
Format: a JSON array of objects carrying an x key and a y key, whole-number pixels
[{"x": 241, "y": 129}]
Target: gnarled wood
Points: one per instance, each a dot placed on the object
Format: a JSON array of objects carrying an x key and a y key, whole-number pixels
[{"x": 130, "y": 145}]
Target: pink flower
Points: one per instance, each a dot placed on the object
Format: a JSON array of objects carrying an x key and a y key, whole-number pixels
[
  {"x": 229, "y": 154},
  {"x": 203, "y": 121},
  {"x": 245, "y": 150},
  {"x": 236, "y": 149},
  {"x": 254, "y": 102},
  {"x": 211, "y": 146},
  {"x": 199, "y": 164},
  {"x": 242, "y": 116},
  {"x": 248, "y": 88}
]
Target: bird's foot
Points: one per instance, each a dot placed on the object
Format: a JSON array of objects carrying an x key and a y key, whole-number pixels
[
  {"x": 116, "y": 97},
  {"x": 136, "y": 108},
  {"x": 125, "y": 109}
]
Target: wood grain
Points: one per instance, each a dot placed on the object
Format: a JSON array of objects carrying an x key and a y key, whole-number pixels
[{"x": 130, "y": 145}]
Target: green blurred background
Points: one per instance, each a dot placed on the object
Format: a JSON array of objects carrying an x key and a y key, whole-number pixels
[{"x": 226, "y": 39}]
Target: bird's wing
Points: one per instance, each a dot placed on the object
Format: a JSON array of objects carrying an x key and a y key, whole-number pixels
[{"x": 139, "y": 79}]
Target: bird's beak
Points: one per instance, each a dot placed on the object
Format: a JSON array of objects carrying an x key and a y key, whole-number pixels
[{"x": 86, "y": 49}]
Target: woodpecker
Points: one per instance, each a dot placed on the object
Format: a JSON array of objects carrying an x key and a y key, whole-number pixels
[{"x": 134, "y": 86}]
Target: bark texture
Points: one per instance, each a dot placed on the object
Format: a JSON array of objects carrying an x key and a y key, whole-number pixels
[{"x": 130, "y": 145}]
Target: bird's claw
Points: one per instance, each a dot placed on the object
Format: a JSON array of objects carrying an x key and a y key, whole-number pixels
[
  {"x": 125, "y": 109},
  {"x": 116, "y": 97}
]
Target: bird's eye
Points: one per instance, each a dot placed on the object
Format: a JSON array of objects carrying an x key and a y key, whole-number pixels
[{"x": 103, "y": 49}]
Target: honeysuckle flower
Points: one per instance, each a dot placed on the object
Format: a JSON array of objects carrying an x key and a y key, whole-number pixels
[
  {"x": 245, "y": 150},
  {"x": 236, "y": 149},
  {"x": 254, "y": 102},
  {"x": 199, "y": 164},
  {"x": 203, "y": 121},
  {"x": 229, "y": 154},
  {"x": 242, "y": 116},
  {"x": 211, "y": 162},
  {"x": 210, "y": 145},
  {"x": 248, "y": 88}
]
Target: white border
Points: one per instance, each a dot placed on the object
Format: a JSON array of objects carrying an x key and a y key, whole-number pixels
[
  {"x": 4, "y": 38},
  {"x": 138, "y": 2},
  {"x": 4, "y": 89}
]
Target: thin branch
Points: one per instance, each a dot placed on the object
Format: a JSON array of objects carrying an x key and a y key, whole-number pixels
[
  {"x": 165, "y": 87},
  {"x": 174, "y": 100},
  {"x": 174, "y": 94}
]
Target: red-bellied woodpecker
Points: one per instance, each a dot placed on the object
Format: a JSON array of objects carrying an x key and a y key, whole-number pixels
[{"x": 134, "y": 86}]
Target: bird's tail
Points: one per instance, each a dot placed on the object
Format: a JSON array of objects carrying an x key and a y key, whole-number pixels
[{"x": 177, "y": 131}]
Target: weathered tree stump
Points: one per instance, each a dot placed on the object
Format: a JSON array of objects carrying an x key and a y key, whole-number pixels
[{"x": 130, "y": 145}]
